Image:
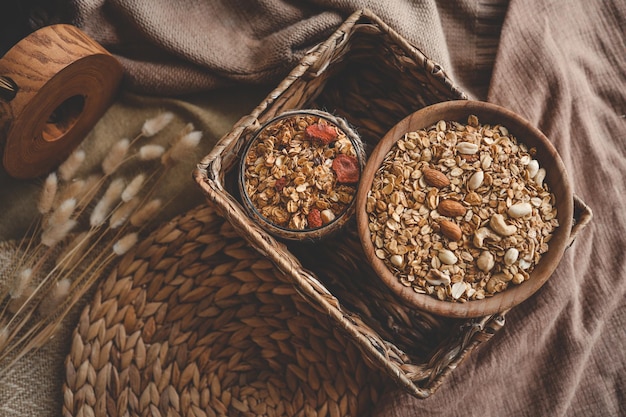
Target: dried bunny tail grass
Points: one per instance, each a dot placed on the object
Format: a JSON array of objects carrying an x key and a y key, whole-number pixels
[
  {"x": 115, "y": 156},
  {"x": 151, "y": 152},
  {"x": 91, "y": 185},
  {"x": 17, "y": 304},
  {"x": 103, "y": 207},
  {"x": 4, "y": 335},
  {"x": 71, "y": 165},
  {"x": 146, "y": 212},
  {"x": 133, "y": 188},
  {"x": 72, "y": 189},
  {"x": 52, "y": 301},
  {"x": 20, "y": 283},
  {"x": 154, "y": 125},
  {"x": 99, "y": 214},
  {"x": 63, "y": 213},
  {"x": 48, "y": 194},
  {"x": 119, "y": 216},
  {"x": 57, "y": 233},
  {"x": 182, "y": 148},
  {"x": 125, "y": 243},
  {"x": 73, "y": 252}
]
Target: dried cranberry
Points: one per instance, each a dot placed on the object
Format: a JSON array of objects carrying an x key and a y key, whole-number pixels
[
  {"x": 280, "y": 184},
  {"x": 346, "y": 168},
  {"x": 314, "y": 218},
  {"x": 323, "y": 134}
]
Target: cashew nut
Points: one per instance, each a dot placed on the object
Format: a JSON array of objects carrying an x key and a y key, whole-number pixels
[
  {"x": 485, "y": 261},
  {"x": 520, "y": 210},
  {"x": 484, "y": 233},
  {"x": 447, "y": 257},
  {"x": 327, "y": 216},
  {"x": 533, "y": 167},
  {"x": 467, "y": 148},
  {"x": 475, "y": 180},
  {"x": 458, "y": 289},
  {"x": 518, "y": 278},
  {"x": 397, "y": 260},
  {"x": 510, "y": 256},
  {"x": 497, "y": 283},
  {"x": 499, "y": 226},
  {"x": 437, "y": 277},
  {"x": 540, "y": 176}
]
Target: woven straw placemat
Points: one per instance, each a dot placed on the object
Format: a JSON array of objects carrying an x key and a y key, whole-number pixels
[{"x": 194, "y": 322}]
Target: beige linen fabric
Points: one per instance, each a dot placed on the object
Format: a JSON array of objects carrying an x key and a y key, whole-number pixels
[{"x": 188, "y": 46}]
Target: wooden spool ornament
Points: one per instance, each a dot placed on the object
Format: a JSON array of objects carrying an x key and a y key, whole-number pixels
[{"x": 55, "y": 84}]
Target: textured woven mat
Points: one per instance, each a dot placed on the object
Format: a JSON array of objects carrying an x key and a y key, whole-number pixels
[{"x": 196, "y": 323}]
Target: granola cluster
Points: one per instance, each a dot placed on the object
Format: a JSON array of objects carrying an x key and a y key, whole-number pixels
[
  {"x": 460, "y": 211},
  {"x": 301, "y": 172}
]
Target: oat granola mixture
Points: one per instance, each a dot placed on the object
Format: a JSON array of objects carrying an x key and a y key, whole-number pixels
[
  {"x": 301, "y": 172},
  {"x": 460, "y": 211}
]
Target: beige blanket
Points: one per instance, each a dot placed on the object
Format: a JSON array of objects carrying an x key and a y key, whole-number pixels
[{"x": 559, "y": 64}]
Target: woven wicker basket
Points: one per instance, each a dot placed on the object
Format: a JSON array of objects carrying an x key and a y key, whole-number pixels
[{"x": 371, "y": 76}]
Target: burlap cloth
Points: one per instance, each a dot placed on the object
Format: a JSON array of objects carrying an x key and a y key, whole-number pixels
[{"x": 559, "y": 64}]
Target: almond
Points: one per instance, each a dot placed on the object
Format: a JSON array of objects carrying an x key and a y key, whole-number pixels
[
  {"x": 451, "y": 208},
  {"x": 435, "y": 178},
  {"x": 450, "y": 230}
]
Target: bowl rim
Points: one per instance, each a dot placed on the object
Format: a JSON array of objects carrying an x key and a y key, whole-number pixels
[
  {"x": 311, "y": 233},
  {"x": 556, "y": 178}
]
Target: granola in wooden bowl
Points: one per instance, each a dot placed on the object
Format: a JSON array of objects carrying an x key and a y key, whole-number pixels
[{"x": 464, "y": 209}]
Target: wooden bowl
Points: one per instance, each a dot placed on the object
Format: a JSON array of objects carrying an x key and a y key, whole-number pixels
[{"x": 556, "y": 178}]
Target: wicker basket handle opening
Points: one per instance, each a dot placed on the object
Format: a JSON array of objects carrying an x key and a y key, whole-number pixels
[{"x": 582, "y": 217}]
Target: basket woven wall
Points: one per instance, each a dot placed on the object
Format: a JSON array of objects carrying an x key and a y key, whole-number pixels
[{"x": 371, "y": 76}]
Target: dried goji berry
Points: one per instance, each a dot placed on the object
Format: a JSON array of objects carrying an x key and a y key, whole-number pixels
[
  {"x": 314, "y": 218},
  {"x": 346, "y": 168},
  {"x": 321, "y": 133}
]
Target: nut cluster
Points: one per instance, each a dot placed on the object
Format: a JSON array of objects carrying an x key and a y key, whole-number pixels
[
  {"x": 301, "y": 172},
  {"x": 460, "y": 211}
]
